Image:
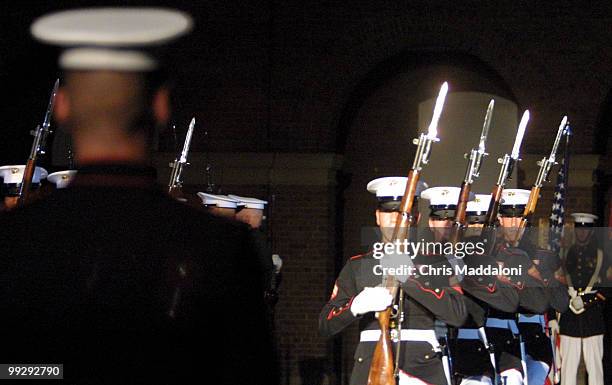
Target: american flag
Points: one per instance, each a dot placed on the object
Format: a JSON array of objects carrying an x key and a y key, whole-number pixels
[{"x": 557, "y": 218}]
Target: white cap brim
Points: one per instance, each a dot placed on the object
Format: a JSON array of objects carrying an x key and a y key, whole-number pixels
[{"x": 111, "y": 27}]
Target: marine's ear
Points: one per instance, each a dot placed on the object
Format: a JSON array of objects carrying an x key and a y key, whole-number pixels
[
  {"x": 161, "y": 106},
  {"x": 377, "y": 217}
]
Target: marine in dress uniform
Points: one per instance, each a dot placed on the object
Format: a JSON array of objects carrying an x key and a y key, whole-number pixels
[
  {"x": 251, "y": 212},
  {"x": 111, "y": 276},
  {"x": 583, "y": 326},
  {"x": 12, "y": 176},
  {"x": 533, "y": 326},
  {"x": 443, "y": 205},
  {"x": 501, "y": 326},
  {"x": 357, "y": 295},
  {"x": 473, "y": 357}
]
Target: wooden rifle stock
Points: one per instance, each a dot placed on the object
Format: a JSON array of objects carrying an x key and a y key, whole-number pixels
[
  {"x": 491, "y": 217},
  {"x": 382, "y": 367},
  {"x": 530, "y": 208},
  {"x": 460, "y": 213},
  {"x": 26, "y": 183}
]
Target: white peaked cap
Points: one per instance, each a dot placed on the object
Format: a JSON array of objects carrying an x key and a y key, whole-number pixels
[
  {"x": 249, "y": 203},
  {"x": 392, "y": 187},
  {"x": 480, "y": 203},
  {"x": 442, "y": 196},
  {"x": 221, "y": 201},
  {"x": 584, "y": 218},
  {"x": 110, "y": 38},
  {"x": 14, "y": 174},
  {"x": 62, "y": 178},
  {"x": 515, "y": 197}
]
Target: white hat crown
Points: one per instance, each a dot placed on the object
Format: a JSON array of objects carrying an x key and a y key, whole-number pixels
[
  {"x": 110, "y": 38},
  {"x": 221, "y": 201},
  {"x": 14, "y": 174},
  {"x": 248, "y": 202}
]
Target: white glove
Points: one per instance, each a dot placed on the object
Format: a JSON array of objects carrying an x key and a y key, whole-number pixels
[
  {"x": 277, "y": 262},
  {"x": 371, "y": 299},
  {"x": 553, "y": 325}
]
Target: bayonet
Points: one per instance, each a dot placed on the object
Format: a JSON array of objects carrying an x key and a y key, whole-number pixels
[
  {"x": 180, "y": 162},
  {"x": 424, "y": 141},
  {"x": 546, "y": 165},
  {"x": 472, "y": 172},
  {"x": 476, "y": 154},
  {"x": 505, "y": 173}
]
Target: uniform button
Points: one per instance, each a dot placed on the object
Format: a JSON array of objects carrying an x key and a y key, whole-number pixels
[
  {"x": 437, "y": 290},
  {"x": 490, "y": 285},
  {"x": 426, "y": 356},
  {"x": 359, "y": 359},
  {"x": 518, "y": 283}
]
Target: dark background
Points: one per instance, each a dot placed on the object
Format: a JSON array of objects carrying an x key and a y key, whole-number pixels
[{"x": 290, "y": 77}]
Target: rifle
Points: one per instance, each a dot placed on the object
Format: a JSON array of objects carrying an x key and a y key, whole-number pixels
[
  {"x": 382, "y": 370},
  {"x": 505, "y": 173},
  {"x": 473, "y": 171},
  {"x": 180, "y": 162},
  {"x": 545, "y": 166},
  {"x": 38, "y": 148}
]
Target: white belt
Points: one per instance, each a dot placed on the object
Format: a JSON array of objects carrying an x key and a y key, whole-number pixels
[
  {"x": 502, "y": 324},
  {"x": 533, "y": 319},
  {"x": 416, "y": 335}
]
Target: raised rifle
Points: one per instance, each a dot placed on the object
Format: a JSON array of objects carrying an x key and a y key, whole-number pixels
[
  {"x": 177, "y": 166},
  {"x": 38, "y": 148},
  {"x": 382, "y": 371},
  {"x": 545, "y": 166},
  {"x": 505, "y": 173},
  {"x": 474, "y": 158}
]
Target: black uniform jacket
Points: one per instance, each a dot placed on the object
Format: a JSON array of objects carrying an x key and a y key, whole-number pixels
[
  {"x": 427, "y": 298},
  {"x": 537, "y": 343},
  {"x": 534, "y": 297},
  {"x": 471, "y": 357},
  {"x": 580, "y": 264},
  {"x": 122, "y": 284}
]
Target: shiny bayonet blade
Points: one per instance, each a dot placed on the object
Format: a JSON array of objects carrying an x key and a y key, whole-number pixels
[
  {"x": 519, "y": 135},
  {"x": 49, "y": 112},
  {"x": 432, "y": 131},
  {"x": 485, "y": 127},
  {"x": 560, "y": 131},
  {"x": 187, "y": 141}
]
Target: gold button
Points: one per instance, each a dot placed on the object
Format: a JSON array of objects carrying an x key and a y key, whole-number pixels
[
  {"x": 360, "y": 359},
  {"x": 437, "y": 290},
  {"x": 426, "y": 356}
]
